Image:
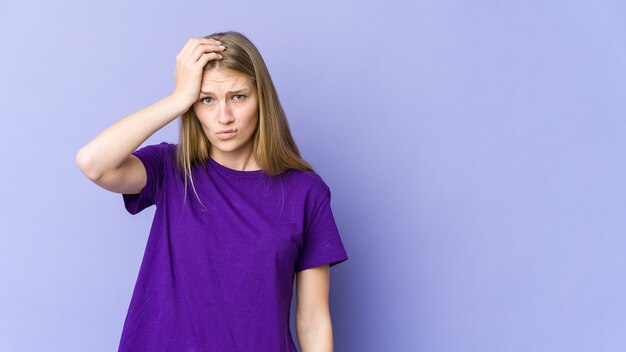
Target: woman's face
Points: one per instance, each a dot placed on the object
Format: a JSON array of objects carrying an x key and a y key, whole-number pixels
[{"x": 227, "y": 102}]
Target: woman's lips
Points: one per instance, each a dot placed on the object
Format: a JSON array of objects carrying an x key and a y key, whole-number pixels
[{"x": 227, "y": 135}]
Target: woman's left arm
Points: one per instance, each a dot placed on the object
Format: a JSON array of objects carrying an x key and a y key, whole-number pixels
[{"x": 313, "y": 323}]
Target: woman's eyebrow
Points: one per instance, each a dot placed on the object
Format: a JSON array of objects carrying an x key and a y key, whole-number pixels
[{"x": 231, "y": 92}]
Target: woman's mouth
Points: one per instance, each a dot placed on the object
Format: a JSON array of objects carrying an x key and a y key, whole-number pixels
[{"x": 227, "y": 134}]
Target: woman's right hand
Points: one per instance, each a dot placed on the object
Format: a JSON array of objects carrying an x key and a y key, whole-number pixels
[{"x": 190, "y": 62}]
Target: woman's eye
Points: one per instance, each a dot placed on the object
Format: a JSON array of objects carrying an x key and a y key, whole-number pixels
[{"x": 238, "y": 97}]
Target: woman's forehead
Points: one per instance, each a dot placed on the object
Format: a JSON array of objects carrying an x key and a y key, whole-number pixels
[{"x": 221, "y": 77}]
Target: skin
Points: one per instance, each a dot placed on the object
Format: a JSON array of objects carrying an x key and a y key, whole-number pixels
[
  {"x": 313, "y": 321},
  {"x": 228, "y": 99}
]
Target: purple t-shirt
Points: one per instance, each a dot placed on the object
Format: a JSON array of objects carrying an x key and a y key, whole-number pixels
[{"x": 221, "y": 278}]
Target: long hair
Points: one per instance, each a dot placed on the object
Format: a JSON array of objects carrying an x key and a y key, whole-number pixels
[{"x": 273, "y": 146}]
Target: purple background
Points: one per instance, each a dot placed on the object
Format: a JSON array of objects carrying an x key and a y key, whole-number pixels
[{"x": 474, "y": 149}]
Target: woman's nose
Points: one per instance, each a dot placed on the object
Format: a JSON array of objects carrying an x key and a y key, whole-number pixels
[{"x": 225, "y": 114}]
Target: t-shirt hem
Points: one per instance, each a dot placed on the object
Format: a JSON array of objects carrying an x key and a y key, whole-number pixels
[
  {"x": 331, "y": 260},
  {"x": 133, "y": 201}
]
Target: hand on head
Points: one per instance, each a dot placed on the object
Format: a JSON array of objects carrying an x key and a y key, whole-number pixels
[{"x": 190, "y": 62}]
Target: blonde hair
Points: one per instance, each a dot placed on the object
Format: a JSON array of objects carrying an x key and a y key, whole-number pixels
[{"x": 273, "y": 146}]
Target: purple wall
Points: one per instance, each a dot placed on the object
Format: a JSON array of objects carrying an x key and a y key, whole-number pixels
[{"x": 475, "y": 151}]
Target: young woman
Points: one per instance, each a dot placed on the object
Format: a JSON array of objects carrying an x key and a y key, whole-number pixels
[{"x": 238, "y": 215}]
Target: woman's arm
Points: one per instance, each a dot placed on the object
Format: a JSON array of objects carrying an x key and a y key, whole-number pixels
[
  {"x": 313, "y": 322},
  {"x": 113, "y": 146}
]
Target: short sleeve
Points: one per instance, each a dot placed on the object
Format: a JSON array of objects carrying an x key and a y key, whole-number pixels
[
  {"x": 153, "y": 159},
  {"x": 321, "y": 239}
]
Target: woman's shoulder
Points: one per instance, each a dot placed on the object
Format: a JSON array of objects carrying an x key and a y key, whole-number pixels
[
  {"x": 172, "y": 147},
  {"x": 306, "y": 180},
  {"x": 167, "y": 147},
  {"x": 162, "y": 146},
  {"x": 158, "y": 152}
]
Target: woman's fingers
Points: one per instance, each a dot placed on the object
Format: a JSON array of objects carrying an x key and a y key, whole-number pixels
[
  {"x": 202, "y": 49},
  {"x": 190, "y": 62},
  {"x": 191, "y": 46},
  {"x": 206, "y": 57}
]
